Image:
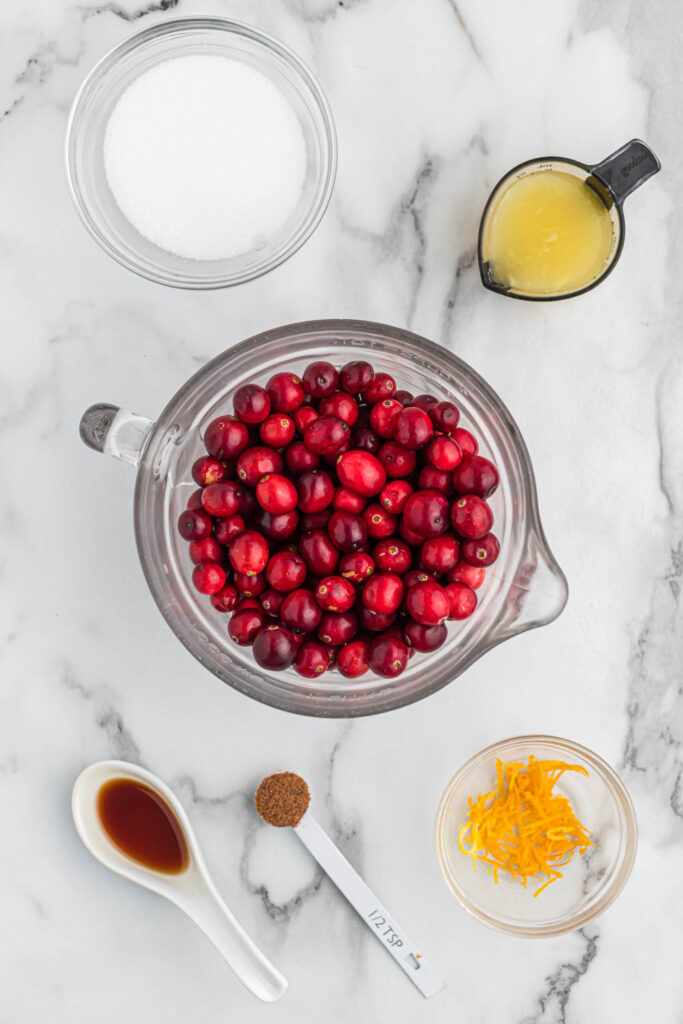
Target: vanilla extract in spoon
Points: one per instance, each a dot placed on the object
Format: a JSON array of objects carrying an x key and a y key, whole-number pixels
[{"x": 142, "y": 825}]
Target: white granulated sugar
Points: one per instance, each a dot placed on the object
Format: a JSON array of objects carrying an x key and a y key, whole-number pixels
[{"x": 205, "y": 157}]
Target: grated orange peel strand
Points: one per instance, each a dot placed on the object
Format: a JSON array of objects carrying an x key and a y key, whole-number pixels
[{"x": 523, "y": 826}]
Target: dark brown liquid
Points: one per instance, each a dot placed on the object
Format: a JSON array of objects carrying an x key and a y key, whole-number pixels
[{"x": 142, "y": 825}]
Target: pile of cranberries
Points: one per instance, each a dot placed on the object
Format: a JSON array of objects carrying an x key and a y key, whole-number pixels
[{"x": 340, "y": 521}]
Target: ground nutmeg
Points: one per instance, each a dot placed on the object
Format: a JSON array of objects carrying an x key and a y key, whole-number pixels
[{"x": 282, "y": 799}]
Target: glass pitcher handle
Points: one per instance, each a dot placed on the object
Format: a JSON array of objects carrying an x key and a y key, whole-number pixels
[
  {"x": 114, "y": 431},
  {"x": 623, "y": 171}
]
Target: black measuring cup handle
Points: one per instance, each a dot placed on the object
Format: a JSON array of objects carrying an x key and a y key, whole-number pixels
[{"x": 623, "y": 171}]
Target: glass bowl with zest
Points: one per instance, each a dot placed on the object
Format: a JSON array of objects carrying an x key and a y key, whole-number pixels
[{"x": 525, "y": 588}]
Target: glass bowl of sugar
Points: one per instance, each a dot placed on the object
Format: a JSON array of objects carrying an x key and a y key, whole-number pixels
[{"x": 201, "y": 153}]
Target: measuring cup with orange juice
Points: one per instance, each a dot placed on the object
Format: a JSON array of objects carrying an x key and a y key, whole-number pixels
[{"x": 553, "y": 227}]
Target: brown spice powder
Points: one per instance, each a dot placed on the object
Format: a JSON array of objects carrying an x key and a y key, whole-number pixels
[{"x": 282, "y": 799}]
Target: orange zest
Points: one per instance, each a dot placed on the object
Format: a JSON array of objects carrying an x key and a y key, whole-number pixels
[{"x": 523, "y": 826}]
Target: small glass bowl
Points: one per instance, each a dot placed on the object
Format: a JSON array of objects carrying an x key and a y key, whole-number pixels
[
  {"x": 99, "y": 95},
  {"x": 589, "y": 884}
]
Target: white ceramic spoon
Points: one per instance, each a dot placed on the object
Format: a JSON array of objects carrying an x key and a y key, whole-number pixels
[{"x": 192, "y": 890}]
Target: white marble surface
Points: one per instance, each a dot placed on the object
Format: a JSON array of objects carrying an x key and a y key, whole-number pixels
[{"x": 433, "y": 101}]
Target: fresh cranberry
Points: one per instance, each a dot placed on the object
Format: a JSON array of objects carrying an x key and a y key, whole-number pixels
[
  {"x": 468, "y": 442},
  {"x": 395, "y": 494},
  {"x": 271, "y": 602},
  {"x": 384, "y": 416},
  {"x": 476, "y": 475},
  {"x": 298, "y": 458},
  {"x": 318, "y": 552},
  {"x": 341, "y": 405},
  {"x": 274, "y": 648},
  {"x": 206, "y": 470},
  {"x": 312, "y": 659},
  {"x": 439, "y": 554},
  {"x": 244, "y": 625},
  {"x": 387, "y": 656},
  {"x": 251, "y": 403},
  {"x": 286, "y": 392},
  {"x": 481, "y": 552},
  {"x": 427, "y": 603},
  {"x": 409, "y": 536},
  {"x": 207, "y": 549},
  {"x": 361, "y": 473},
  {"x": 226, "y": 599},
  {"x": 330, "y": 458},
  {"x": 256, "y": 462},
  {"x": 404, "y": 397},
  {"x": 426, "y": 513},
  {"x": 392, "y": 555},
  {"x": 278, "y": 527},
  {"x": 424, "y": 638},
  {"x": 320, "y": 379},
  {"x": 222, "y": 499},
  {"x": 379, "y": 522},
  {"x": 335, "y": 594},
  {"x": 462, "y": 600},
  {"x": 316, "y": 491},
  {"x": 383, "y": 593},
  {"x": 303, "y": 417},
  {"x": 248, "y": 553},
  {"x": 346, "y": 501},
  {"x": 250, "y": 584},
  {"x": 352, "y": 659},
  {"x": 300, "y": 611},
  {"x": 397, "y": 460},
  {"x": 445, "y": 416},
  {"x": 347, "y": 531},
  {"x": 326, "y": 435},
  {"x": 356, "y": 377},
  {"x": 426, "y": 403},
  {"x": 414, "y": 428},
  {"x": 471, "y": 516},
  {"x": 315, "y": 520},
  {"x": 366, "y": 441},
  {"x": 286, "y": 571},
  {"x": 383, "y": 386},
  {"x": 444, "y": 453},
  {"x": 226, "y": 528},
  {"x": 208, "y": 577},
  {"x": 416, "y": 576},
  {"x": 278, "y": 430},
  {"x": 194, "y": 525},
  {"x": 463, "y": 572},
  {"x": 431, "y": 479},
  {"x": 337, "y": 628},
  {"x": 226, "y": 437},
  {"x": 356, "y": 566},
  {"x": 194, "y": 502},
  {"x": 276, "y": 494},
  {"x": 374, "y": 622},
  {"x": 244, "y": 602}
]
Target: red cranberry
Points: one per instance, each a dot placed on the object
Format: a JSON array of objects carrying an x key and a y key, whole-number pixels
[
  {"x": 481, "y": 552},
  {"x": 206, "y": 470},
  {"x": 404, "y": 397},
  {"x": 476, "y": 475},
  {"x": 352, "y": 659},
  {"x": 472, "y": 575},
  {"x": 274, "y": 648},
  {"x": 379, "y": 522},
  {"x": 248, "y": 553},
  {"x": 444, "y": 453},
  {"x": 356, "y": 566},
  {"x": 416, "y": 576},
  {"x": 300, "y": 611},
  {"x": 471, "y": 516},
  {"x": 424, "y": 638},
  {"x": 383, "y": 593},
  {"x": 356, "y": 377},
  {"x": 298, "y": 458},
  {"x": 409, "y": 536},
  {"x": 330, "y": 458},
  {"x": 226, "y": 437},
  {"x": 205, "y": 550},
  {"x": 315, "y": 520},
  {"x": 320, "y": 379},
  {"x": 383, "y": 386},
  {"x": 286, "y": 392},
  {"x": 462, "y": 600},
  {"x": 366, "y": 441},
  {"x": 431, "y": 479},
  {"x": 384, "y": 416},
  {"x": 222, "y": 499},
  {"x": 286, "y": 571},
  {"x": 392, "y": 555},
  {"x": 244, "y": 625},
  {"x": 276, "y": 494},
  {"x": 337, "y": 628},
  {"x": 425, "y": 402},
  {"x": 414, "y": 428},
  {"x": 278, "y": 430},
  {"x": 316, "y": 491},
  {"x": 244, "y": 602},
  {"x": 194, "y": 502},
  {"x": 426, "y": 513},
  {"x": 326, "y": 435},
  {"x": 387, "y": 656},
  {"x": 251, "y": 403},
  {"x": 445, "y": 416},
  {"x": 346, "y": 501},
  {"x": 256, "y": 462},
  {"x": 227, "y": 528},
  {"x": 361, "y": 473},
  {"x": 335, "y": 594},
  {"x": 347, "y": 531},
  {"x": 373, "y": 622},
  {"x": 303, "y": 417},
  {"x": 251, "y": 585},
  {"x": 318, "y": 552},
  {"x": 276, "y": 527},
  {"x": 194, "y": 525},
  {"x": 312, "y": 659},
  {"x": 397, "y": 460},
  {"x": 341, "y": 405},
  {"x": 395, "y": 494},
  {"x": 468, "y": 442},
  {"x": 427, "y": 603},
  {"x": 440, "y": 554},
  {"x": 271, "y": 602},
  {"x": 208, "y": 577},
  {"x": 226, "y": 599}
]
